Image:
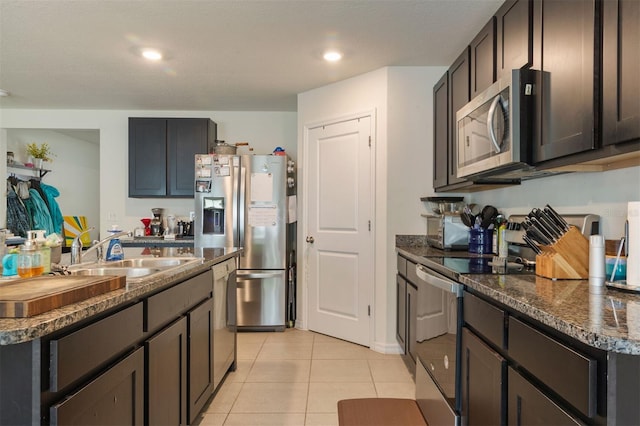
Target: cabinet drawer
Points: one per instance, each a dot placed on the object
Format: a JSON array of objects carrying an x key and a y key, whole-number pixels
[
  {"x": 89, "y": 348},
  {"x": 166, "y": 306},
  {"x": 115, "y": 397},
  {"x": 486, "y": 319},
  {"x": 570, "y": 374},
  {"x": 528, "y": 406},
  {"x": 402, "y": 266}
]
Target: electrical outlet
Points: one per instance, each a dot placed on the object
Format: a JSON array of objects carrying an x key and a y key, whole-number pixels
[{"x": 112, "y": 216}]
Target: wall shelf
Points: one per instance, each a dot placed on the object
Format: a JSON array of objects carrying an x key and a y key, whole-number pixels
[{"x": 40, "y": 172}]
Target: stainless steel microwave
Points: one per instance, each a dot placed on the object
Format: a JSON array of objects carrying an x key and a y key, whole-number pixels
[{"x": 495, "y": 130}]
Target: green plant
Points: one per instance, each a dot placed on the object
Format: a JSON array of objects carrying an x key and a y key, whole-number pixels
[{"x": 42, "y": 151}]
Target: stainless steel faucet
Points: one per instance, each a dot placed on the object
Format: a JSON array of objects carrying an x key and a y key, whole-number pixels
[{"x": 76, "y": 246}]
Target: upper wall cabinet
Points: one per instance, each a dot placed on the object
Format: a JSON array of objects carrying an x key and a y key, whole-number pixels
[
  {"x": 621, "y": 71},
  {"x": 161, "y": 155},
  {"x": 441, "y": 132},
  {"x": 514, "y": 36},
  {"x": 564, "y": 51},
  {"x": 483, "y": 59}
]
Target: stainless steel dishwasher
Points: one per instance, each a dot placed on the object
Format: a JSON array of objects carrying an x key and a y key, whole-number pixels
[
  {"x": 224, "y": 319},
  {"x": 436, "y": 343}
]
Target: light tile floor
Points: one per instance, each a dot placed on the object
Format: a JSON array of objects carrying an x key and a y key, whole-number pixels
[{"x": 296, "y": 378}]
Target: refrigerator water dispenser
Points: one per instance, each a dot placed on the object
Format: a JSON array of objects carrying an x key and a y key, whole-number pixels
[{"x": 213, "y": 216}]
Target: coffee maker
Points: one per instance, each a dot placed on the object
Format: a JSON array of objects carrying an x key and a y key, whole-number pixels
[{"x": 156, "y": 223}]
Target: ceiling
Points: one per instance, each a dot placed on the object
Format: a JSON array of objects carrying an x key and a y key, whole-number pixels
[{"x": 220, "y": 55}]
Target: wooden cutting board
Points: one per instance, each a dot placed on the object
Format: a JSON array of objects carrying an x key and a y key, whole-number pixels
[{"x": 32, "y": 296}]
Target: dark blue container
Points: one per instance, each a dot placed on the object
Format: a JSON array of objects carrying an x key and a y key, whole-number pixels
[{"x": 480, "y": 241}]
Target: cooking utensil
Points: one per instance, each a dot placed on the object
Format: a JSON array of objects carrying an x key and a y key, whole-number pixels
[
  {"x": 442, "y": 205},
  {"x": 556, "y": 217},
  {"x": 467, "y": 219},
  {"x": 488, "y": 215},
  {"x": 531, "y": 244},
  {"x": 221, "y": 147}
]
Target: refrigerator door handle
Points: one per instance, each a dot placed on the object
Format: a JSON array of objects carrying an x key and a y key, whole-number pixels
[{"x": 258, "y": 275}]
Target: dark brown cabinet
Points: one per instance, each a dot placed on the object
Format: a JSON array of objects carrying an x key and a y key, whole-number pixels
[
  {"x": 527, "y": 405},
  {"x": 483, "y": 383},
  {"x": 441, "y": 132},
  {"x": 621, "y": 71},
  {"x": 458, "y": 97},
  {"x": 149, "y": 362},
  {"x": 412, "y": 305},
  {"x": 115, "y": 397},
  {"x": 167, "y": 375},
  {"x": 510, "y": 371},
  {"x": 401, "y": 312},
  {"x": 406, "y": 304},
  {"x": 514, "y": 37},
  {"x": 161, "y": 155},
  {"x": 200, "y": 353},
  {"x": 483, "y": 63},
  {"x": 564, "y": 50}
]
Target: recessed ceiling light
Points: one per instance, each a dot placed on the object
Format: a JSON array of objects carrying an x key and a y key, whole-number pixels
[
  {"x": 152, "y": 54},
  {"x": 332, "y": 56}
]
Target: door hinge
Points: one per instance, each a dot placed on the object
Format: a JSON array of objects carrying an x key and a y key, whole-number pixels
[
  {"x": 369, "y": 141},
  {"x": 369, "y": 225},
  {"x": 369, "y": 310}
]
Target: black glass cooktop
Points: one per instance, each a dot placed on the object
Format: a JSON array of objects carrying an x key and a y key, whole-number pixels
[{"x": 481, "y": 265}]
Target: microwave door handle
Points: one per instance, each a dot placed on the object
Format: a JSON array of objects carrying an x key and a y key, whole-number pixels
[{"x": 492, "y": 113}]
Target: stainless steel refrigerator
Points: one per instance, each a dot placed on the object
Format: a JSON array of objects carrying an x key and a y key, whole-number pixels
[{"x": 243, "y": 201}]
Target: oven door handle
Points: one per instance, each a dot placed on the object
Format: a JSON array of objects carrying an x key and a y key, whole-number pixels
[{"x": 441, "y": 283}]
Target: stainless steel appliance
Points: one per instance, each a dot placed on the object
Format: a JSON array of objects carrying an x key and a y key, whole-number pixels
[
  {"x": 446, "y": 231},
  {"x": 495, "y": 130},
  {"x": 224, "y": 319},
  {"x": 242, "y": 201},
  {"x": 436, "y": 345}
]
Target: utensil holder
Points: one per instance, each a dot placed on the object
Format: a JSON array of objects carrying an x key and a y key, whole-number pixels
[{"x": 567, "y": 258}]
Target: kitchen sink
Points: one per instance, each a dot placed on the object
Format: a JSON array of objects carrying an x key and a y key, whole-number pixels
[
  {"x": 151, "y": 262},
  {"x": 136, "y": 269},
  {"x": 128, "y": 272}
]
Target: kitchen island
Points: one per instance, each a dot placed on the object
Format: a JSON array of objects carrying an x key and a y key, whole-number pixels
[
  {"x": 141, "y": 354},
  {"x": 550, "y": 346}
]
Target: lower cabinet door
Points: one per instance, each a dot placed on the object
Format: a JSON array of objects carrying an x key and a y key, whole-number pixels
[
  {"x": 115, "y": 397},
  {"x": 401, "y": 312},
  {"x": 412, "y": 319},
  {"x": 200, "y": 357},
  {"x": 529, "y": 406},
  {"x": 166, "y": 375},
  {"x": 483, "y": 373}
]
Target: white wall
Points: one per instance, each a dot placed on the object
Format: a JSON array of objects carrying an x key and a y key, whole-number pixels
[
  {"x": 75, "y": 170},
  {"x": 263, "y": 130},
  {"x": 602, "y": 193},
  {"x": 409, "y": 164}
]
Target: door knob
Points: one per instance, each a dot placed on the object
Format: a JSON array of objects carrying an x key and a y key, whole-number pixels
[{"x": 310, "y": 240}]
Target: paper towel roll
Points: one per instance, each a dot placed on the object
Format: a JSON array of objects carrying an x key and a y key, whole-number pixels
[{"x": 633, "y": 258}]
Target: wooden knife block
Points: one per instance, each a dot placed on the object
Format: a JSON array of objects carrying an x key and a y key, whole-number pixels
[{"x": 568, "y": 258}]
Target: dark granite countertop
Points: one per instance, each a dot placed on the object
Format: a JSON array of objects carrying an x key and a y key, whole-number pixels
[
  {"x": 609, "y": 321},
  {"x": 157, "y": 242},
  {"x": 18, "y": 330}
]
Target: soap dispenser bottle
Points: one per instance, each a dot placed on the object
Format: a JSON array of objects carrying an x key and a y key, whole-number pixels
[{"x": 115, "y": 250}]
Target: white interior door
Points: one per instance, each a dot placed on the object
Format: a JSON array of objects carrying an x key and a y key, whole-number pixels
[{"x": 339, "y": 248}]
